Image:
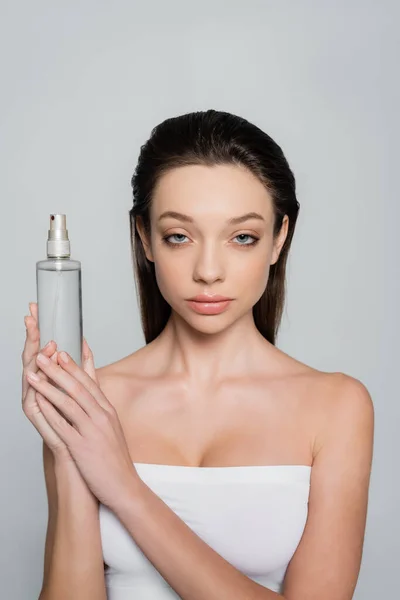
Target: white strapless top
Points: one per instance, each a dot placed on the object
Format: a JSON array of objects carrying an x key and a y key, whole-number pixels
[{"x": 253, "y": 516}]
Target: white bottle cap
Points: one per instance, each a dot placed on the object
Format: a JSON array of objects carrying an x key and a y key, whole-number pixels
[{"x": 58, "y": 245}]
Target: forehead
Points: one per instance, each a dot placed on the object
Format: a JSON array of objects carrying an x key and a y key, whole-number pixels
[{"x": 218, "y": 191}]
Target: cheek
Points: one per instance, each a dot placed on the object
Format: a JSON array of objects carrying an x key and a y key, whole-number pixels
[
  {"x": 252, "y": 279},
  {"x": 168, "y": 276}
]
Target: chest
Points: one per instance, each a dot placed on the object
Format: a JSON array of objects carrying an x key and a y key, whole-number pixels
[{"x": 242, "y": 426}]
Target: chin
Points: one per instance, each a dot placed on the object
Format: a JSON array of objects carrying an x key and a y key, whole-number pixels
[
  {"x": 203, "y": 323},
  {"x": 209, "y": 326}
]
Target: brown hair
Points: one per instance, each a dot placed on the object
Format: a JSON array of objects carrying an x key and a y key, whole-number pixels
[{"x": 211, "y": 138}]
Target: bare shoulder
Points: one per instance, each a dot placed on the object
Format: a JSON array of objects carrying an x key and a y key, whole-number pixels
[
  {"x": 350, "y": 394},
  {"x": 337, "y": 390},
  {"x": 335, "y": 404},
  {"x": 341, "y": 393},
  {"x": 346, "y": 408}
]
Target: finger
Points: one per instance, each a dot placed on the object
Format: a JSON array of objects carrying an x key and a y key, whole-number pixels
[
  {"x": 75, "y": 383},
  {"x": 96, "y": 397},
  {"x": 29, "y": 360},
  {"x": 64, "y": 403},
  {"x": 32, "y": 341},
  {"x": 32, "y": 336},
  {"x": 88, "y": 360},
  {"x": 48, "y": 351},
  {"x": 31, "y": 322},
  {"x": 46, "y": 431},
  {"x": 33, "y": 307},
  {"x": 31, "y": 366},
  {"x": 68, "y": 434}
]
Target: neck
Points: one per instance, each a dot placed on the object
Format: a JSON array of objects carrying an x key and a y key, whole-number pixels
[{"x": 204, "y": 357}]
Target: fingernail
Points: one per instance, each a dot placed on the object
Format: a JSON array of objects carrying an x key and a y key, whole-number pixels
[
  {"x": 32, "y": 376},
  {"x": 48, "y": 344},
  {"x": 43, "y": 359},
  {"x": 64, "y": 356}
]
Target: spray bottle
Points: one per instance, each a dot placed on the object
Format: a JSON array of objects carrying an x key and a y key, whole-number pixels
[{"x": 59, "y": 292}]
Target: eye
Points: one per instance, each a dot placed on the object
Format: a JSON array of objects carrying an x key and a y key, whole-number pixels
[
  {"x": 166, "y": 239},
  {"x": 247, "y": 235}
]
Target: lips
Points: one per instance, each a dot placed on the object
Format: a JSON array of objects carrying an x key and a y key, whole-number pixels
[
  {"x": 205, "y": 307},
  {"x": 209, "y": 299}
]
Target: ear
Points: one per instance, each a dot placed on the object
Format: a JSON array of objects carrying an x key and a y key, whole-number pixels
[
  {"x": 280, "y": 239},
  {"x": 144, "y": 238}
]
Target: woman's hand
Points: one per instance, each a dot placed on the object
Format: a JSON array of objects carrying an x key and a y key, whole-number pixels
[
  {"x": 88, "y": 426},
  {"x": 29, "y": 402}
]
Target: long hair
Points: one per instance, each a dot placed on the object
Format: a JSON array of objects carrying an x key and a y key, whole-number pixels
[{"x": 211, "y": 138}]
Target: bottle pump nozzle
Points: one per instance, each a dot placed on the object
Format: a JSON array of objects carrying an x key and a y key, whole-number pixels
[{"x": 58, "y": 245}]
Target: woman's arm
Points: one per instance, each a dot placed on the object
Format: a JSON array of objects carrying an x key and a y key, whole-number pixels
[
  {"x": 327, "y": 560},
  {"x": 73, "y": 564}
]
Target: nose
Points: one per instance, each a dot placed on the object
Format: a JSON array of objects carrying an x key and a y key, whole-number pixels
[{"x": 208, "y": 265}]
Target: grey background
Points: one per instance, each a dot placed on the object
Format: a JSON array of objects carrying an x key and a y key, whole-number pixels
[{"x": 83, "y": 83}]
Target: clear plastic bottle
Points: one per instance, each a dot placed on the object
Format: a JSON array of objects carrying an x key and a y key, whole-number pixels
[{"x": 59, "y": 292}]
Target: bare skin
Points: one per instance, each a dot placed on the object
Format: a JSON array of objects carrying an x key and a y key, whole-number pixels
[
  {"x": 260, "y": 419},
  {"x": 210, "y": 390}
]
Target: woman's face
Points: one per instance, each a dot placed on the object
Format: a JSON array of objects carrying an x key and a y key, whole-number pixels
[{"x": 204, "y": 253}]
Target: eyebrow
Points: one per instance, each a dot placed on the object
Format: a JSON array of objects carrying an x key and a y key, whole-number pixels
[{"x": 233, "y": 221}]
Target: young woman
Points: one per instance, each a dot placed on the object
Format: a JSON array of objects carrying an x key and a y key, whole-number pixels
[{"x": 209, "y": 464}]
